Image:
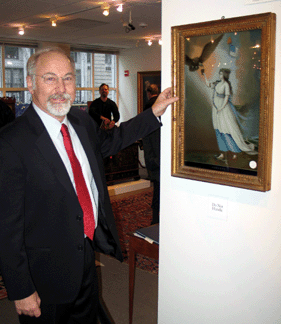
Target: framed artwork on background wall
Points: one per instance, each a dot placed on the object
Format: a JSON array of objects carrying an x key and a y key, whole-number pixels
[
  {"x": 223, "y": 73},
  {"x": 144, "y": 80}
]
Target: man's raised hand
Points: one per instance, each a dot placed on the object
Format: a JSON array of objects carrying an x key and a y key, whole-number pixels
[{"x": 163, "y": 101}]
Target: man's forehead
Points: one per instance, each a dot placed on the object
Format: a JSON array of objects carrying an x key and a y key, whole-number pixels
[{"x": 54, "y": 60}]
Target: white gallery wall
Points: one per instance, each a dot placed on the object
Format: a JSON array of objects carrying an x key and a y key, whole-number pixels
[
  {"x": 139, "y": 59},
  {"x": 218, "y": 271}
]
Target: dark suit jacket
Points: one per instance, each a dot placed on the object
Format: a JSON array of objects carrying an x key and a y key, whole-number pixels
[{"x": 41, "y": 221}]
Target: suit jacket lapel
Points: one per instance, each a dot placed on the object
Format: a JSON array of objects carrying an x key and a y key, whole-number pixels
[{"x": 48, "y": 150}]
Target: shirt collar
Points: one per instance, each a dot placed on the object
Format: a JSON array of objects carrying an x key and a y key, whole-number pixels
[{"x": 52, "y": 125}]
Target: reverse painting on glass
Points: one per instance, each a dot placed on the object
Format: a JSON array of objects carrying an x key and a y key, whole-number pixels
[{"x": 223, "y": 73}]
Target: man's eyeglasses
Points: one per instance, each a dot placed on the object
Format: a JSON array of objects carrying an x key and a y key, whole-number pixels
[{"x": 52, "y": 79}]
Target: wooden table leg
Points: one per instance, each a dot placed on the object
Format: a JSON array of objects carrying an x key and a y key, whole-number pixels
[
  {"x": 138, "y": 245},
  {"x": 132, "y": 263}
]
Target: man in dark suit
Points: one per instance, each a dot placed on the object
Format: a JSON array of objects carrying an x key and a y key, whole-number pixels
[{"x": 49, "y": 156}]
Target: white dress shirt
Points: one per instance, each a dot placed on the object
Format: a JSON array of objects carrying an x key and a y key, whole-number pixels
[{"x": 53, "y": 127}]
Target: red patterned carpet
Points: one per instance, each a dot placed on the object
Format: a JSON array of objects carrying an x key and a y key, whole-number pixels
[
  {"x": 3, "y": 293},
  {"x": 133, "y": 211}
]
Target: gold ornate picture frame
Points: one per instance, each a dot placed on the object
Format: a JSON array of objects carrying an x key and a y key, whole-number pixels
[{"x": 223, "y": 73}]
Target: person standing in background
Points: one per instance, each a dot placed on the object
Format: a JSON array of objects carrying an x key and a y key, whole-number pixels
[
  {"x": 151, "y": 147},
  {"x": 102, "y": 108}
]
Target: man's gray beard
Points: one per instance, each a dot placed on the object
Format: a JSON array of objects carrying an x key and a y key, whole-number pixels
[{"x": 59, "y": 109}]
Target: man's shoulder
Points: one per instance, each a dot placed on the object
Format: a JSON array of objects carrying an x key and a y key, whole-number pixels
[
  {"x": 153, "y": 99},
  {"x": 150, "y": 102},
  {"x": 111, "y": 102},
  {"x": 95, "y": 103}
]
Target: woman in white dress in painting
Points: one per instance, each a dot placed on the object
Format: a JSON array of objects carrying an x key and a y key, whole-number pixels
[{"x": 226, "y": 121}]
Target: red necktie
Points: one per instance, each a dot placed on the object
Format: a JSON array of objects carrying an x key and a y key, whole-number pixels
[{"x": 80, "y": 184}]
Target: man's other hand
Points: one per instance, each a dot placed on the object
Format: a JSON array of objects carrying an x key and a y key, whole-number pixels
[
  {"x": 163, "y": 101},
  {"x": 105, "y": 120},
  {"x": 29, "y": 306},
  {"x": 111, "y": 124}
]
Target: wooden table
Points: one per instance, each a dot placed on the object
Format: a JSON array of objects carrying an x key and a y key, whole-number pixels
[{"x": 138, "y": 245}]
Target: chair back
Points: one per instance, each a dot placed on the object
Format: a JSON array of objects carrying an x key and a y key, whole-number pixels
[
  {"x": 11, "y": 102},
  {"x": 89, "y": 103}
]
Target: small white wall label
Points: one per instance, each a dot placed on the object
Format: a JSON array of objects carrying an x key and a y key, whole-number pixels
[{"x": 218, "y": 208}]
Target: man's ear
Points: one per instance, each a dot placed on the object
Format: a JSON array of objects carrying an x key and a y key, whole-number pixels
[{"x": 29, "y": 81}]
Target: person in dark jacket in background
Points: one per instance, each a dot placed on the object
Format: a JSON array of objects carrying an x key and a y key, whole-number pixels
[
  {"x": 103, "y": 108},
  {"x": 151, "y": 147}
]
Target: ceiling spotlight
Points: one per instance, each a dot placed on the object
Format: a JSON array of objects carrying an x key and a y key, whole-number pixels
[
  {"x": 21, "y": 31},
  {"x": 54, "y": 22},
  {"x": 120, "y": 7},
  {"x": 149, "y": 43},
  {"x": 106, "y": 12},
  {"x": 128, "y": 26},
  {"x": 105, "y": 9},
  {"x": 160, "y": 41}
]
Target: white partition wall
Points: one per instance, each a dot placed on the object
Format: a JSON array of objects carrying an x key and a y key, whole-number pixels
[
  {"x": 218, "y": 271},
  {"x": 138, "y": 59}
]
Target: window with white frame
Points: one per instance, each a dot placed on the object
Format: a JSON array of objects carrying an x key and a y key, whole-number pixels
[
  {"x": 93, "y": 69},
  {"x": 13, "y": 74}
]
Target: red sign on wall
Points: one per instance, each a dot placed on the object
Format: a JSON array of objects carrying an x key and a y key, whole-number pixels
[{"x": 126, "y": 73}]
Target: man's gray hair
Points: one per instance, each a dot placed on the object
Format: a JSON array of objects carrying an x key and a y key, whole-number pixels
[{"x": 32, "y": 61}]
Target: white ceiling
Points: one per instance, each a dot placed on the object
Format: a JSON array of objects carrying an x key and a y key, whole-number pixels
[{"x": 81, "y": 22}]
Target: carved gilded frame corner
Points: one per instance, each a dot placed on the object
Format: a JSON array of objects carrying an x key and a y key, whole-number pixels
[{"x": 245, "y": 48}]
